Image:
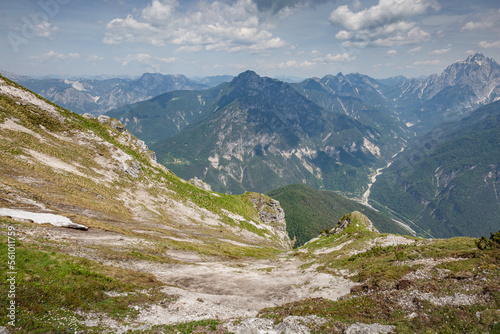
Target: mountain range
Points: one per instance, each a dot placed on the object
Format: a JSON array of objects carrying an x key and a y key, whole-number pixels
[
  {"x": 335, "y": 133},
  {"x": 96, "y": 96},
  {"x": 451, "y": 95},
  {"x": 258, "y": 133}
]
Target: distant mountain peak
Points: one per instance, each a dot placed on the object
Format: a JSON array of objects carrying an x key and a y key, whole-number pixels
[
  {"x": 251, "y": 83},
  {"x": 477, "y": 57},
  {"x": 246, "y": 76}
]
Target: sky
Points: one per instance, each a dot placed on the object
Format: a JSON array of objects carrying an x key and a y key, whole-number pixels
[{"x": 282, "y": 38}]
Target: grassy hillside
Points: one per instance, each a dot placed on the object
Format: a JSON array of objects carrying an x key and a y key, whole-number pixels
[
  {"x": 98, "y": 173},
  {"x": 309, "y": 211}
]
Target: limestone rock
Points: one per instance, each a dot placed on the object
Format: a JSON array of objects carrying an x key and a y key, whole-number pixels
[
  {"x": 360, "y": 328},
  {"x": 115, "y": 124},
  {"x": 103, "y": 119},
  {"x": 133, "y": 169},
  {"x": 271, "y": 213},
  {"x": 289, "y": 325},
  {"x": 200, "y": 184}
]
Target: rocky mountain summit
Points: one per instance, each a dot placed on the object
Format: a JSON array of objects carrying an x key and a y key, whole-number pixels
[{"x": 459, "y": 89}]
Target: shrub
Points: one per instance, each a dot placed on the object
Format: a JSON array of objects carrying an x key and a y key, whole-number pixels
[{"x": 491, "y": 243}]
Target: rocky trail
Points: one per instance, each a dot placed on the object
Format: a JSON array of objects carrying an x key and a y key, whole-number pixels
[
  {"x": 202, "y": 287},
  {"x": 221, "y": 290}
]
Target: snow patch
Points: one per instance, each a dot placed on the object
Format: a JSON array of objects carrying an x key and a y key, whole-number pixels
[{"x": 41, "y": 218}]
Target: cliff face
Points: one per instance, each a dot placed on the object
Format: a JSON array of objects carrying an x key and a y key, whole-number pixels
[{"x": 271, "y": 213}]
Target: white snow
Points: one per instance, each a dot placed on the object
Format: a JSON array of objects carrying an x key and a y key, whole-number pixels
[{"x": 41, "y": 218}]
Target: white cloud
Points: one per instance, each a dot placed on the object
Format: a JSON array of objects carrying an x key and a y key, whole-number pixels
[
  {"x": 215, "y": 25},
  {"x": 129, "y": 30},
  {"x": 340, "y": 57},
  {"x": 356, "y": 4},
  {"x": 440, "y": 51},
  {"x": 56, "y": 57},
  {"x": 487, "y": 45},
  {"x": 391, "y": 52},
  {"x": 189, "y": 48},
  {"x": 425, "y": 63},
  {"x": 145, "y": 59},
  {"x": 296, "y": 64},
  {"x": 477, "y": 25},
  {"x": 95, "y": 58},
  {"x": 414, "y": 51},
  {"x": 384, "y": 24},
  {"x": 45, "y": 29},
  {"x": 483, "y": 21}
]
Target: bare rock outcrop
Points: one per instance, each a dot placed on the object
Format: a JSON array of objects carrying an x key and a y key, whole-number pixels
[
  {"x": 200, "y": 184},
  {"x": 360, "y": 328},
  {"x": 355, "y": 217},
  {"x": 271, "y": 213}
]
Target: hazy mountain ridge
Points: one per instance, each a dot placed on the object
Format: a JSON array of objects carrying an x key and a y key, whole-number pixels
[{"x": 98, "y": 96}]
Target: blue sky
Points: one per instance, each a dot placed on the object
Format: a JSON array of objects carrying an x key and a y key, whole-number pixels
[{"x": 302, "y": 38}]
